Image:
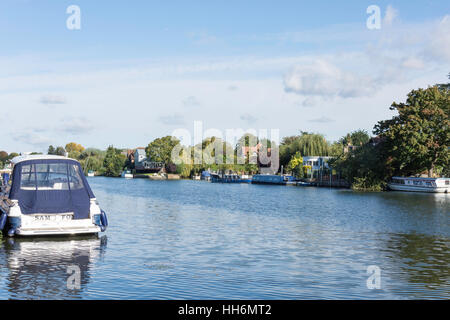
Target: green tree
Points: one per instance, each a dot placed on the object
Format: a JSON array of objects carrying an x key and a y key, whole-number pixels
[
  {"x": 92, "y": 159},
  {"x": 92, "y": 152},
  {"x": 92, "y": 163},
  {"x": 295, "y": 165},
  {"x": 417, "y": 139},
  {"x": 308, "y": 144},
  {"x": 356, "y": 138},
  {"x": 364, "y": 168},
  {"x": 51, "y": 150},
  {"x": 160, "y": 149},
  {"x": 12, "y": 155},
  {"x": 74, "y": 155},
  {"x": 114, "y": 162},
  {"x": 335, "y": 149},
  {"x": 60, "y": 151},
  {"x": 3, "y": 158}
]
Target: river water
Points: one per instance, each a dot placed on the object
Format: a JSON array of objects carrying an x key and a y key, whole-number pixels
[{"x": 199, "y": 240}]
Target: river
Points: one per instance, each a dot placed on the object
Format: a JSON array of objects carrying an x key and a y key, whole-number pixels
[{"x": 199, "y": 240}]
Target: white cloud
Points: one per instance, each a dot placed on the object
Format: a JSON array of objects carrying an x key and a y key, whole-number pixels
[
  {"x": 322, "y": 119},
  {"x": 321, "y": 78},
  {"x": 191, "y": 101},
  {"x": 75, "y": 126},
  {"x": 172, "y": 120},
  {"x": 438, "y": 46},
  {"x": 32, "y": 138},
  {"x": 249, "y": 118},
  {"x": 308, "y": 102},
  {"x": 413, "y": 63},
  {"x": 52, "y": 99}
]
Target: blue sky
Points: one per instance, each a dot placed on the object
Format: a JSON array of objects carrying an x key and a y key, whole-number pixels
[{"x": 137, "y": 70}]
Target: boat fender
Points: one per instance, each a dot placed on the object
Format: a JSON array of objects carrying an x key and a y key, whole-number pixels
[
  {"x": 11, "y": 232},
  {"x": 3, "y": 218},
  {"x": 103, "y": 220}
]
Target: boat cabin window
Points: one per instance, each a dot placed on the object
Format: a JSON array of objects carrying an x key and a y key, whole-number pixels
[{"x": 50, "y": 176}]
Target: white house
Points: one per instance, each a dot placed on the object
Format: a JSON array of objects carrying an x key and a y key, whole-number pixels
[
  {"x": 144, "y": 164},
  {"x": 316, "y": 162}
]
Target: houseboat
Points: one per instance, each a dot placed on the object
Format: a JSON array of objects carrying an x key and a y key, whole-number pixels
[
  {"x": 49, "y": 195},
  {"x": 434, "y": 185},
  {"x": 273, "y": 179},
  {"x": 228, "y": 178}
]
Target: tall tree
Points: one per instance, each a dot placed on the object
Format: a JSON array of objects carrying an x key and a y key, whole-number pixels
[
  {"x": 357, "y": 138},
  {"x": 74, "y": 147},
  {"x": 417, "y": 139},
  {"x": 60, "y": 151},
  {"x": 51, "y": 150},
  {"x": 160, "y": 149},
  {"x": 308, "y": 144},
  {"x": 114, "y": 162}
]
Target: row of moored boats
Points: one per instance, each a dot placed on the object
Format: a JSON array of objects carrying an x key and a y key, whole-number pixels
[{"x": 413, "y": 184}]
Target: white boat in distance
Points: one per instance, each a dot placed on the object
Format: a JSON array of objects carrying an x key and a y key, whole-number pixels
[
  {"x": 127, "y": 174},
  {"x": 433, "y": 185}
]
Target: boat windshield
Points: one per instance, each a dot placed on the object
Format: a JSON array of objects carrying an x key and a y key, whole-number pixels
[
  {"x": 50, "y": 176},
  {"x": 51, "y": 186}
]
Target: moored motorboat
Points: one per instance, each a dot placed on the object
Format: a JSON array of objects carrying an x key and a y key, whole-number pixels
[
  {"x": 127, "y": 174},
  {"x": 413, "y": 184},
  {"x": 49, "y": 195}
]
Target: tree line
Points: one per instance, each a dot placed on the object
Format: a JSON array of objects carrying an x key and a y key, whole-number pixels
[{"x": 414, "y": 141}]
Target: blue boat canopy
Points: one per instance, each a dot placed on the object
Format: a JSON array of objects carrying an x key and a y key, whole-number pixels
[{"x": 51, "y": 186}]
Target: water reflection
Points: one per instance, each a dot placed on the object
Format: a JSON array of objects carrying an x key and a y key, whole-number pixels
[
  {"x": 38, "y": 268},
  {"x": 424, "y": 261},
  {"x": 195, "y": 240}
]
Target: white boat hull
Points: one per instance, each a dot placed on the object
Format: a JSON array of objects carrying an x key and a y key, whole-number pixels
[
  {"x": 57, "y": 231},
  {"x": 399, "y": 187},
  {"x": 53, "y": 224}
]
